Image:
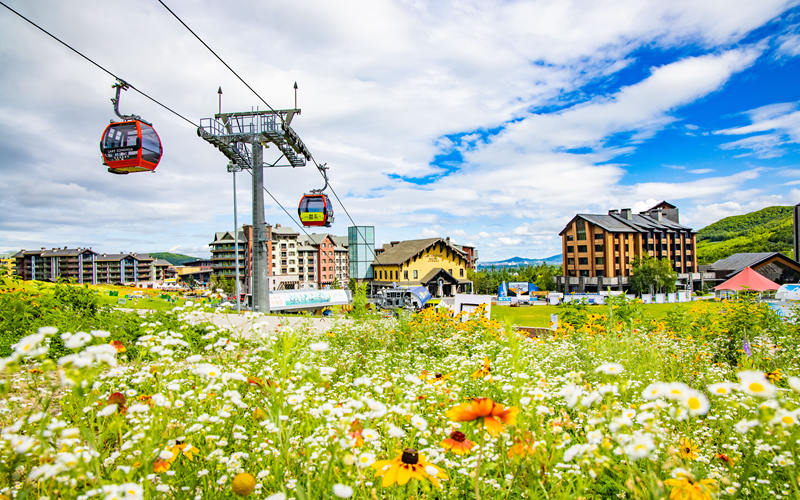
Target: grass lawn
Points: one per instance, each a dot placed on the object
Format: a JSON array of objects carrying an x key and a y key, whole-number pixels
[
  {"x": 126, "y": 296},
  {"x": 540, "y": 315}
]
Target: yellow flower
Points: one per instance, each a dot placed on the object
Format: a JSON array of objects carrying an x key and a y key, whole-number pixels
[
  {"x": 684, "y": 488},
  {"x": 688, "y": 449},
  {"x": 243, "y": 484},
  {"x": 485, "y": 371},
  {"x": 409, "y": 464}
]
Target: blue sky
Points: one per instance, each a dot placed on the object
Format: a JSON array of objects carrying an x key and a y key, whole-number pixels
[{"x": 492, "y": 122}]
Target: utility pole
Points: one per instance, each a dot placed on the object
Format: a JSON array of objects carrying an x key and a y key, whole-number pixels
[
  {"x": 233, "y": 168},
  {"x": 241, "y": 137}
]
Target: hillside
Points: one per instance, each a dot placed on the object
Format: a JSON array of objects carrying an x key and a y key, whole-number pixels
[
  {"x": 176, "y": 259},
  {"x": 766, "y": 230},
  {"x": 515, "y": 262}
]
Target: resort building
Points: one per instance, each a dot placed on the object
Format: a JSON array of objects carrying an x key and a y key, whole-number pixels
[
  {"x": 605, "y": 246},
  {"x": 324, "y": 261},
  {"x": 434, "y": 263},
  {"x": 124, "y": 268},
  {"x": 77, "y": 264},
  {"x": 293, "y": 261},
  {"x": 774, "y": 266}
]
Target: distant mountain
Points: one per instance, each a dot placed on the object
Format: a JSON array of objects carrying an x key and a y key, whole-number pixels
[
  {"x": 176, "y": 259},
  {"x": 766, "y": 230},
  {"x": 515, "y": 262}
]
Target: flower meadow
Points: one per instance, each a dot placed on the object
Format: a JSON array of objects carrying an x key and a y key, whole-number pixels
[{"x": 423, "y": 406}]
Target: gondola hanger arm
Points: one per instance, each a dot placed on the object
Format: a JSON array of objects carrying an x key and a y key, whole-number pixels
[{"x": 123, "y": 85}]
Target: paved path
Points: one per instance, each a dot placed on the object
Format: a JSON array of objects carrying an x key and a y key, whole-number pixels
[{"x": 248, "y": 325}]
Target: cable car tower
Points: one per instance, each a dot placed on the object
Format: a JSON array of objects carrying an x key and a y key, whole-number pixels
[{"x": 241, "y": 137}]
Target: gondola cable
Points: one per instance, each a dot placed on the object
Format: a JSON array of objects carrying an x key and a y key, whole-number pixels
[
  {"x": 311, "y": 156},
  {"x": 65, "y": 44},
  {"x": 102, "y": 68}
]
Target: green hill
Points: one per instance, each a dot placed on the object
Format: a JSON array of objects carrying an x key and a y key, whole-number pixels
[
  {"x": 766, "y": 230},
  {"x": 176, "y": 259}
]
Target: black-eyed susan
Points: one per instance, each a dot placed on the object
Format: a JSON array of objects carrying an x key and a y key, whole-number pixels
[
  {"x": 688, "y": 449},
  {"x": 492, "y": 415},
  {"x": 485, "y": 370},
  {"x": 406, "y": 466},
  {"x": 457, "y": 443}
]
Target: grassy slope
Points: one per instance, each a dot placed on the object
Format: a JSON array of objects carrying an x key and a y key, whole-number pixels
[
  {"x": 176, "y": 259},
  {"x": 766, "y": 230},
  {"x": 540, "y": 315}
]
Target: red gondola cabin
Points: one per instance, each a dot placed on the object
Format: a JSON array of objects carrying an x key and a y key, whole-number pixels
[
  {"x": 315, "y": 210},
  {"x": 130, "y": 146}
]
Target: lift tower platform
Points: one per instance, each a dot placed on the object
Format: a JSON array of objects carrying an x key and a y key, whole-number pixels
[{"x": 241, "y": 138}]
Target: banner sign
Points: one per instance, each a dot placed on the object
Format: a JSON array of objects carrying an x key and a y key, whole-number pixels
[{"x": 307, "y": 299}]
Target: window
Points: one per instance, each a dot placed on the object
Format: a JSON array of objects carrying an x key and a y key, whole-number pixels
[
  {"x": 569, "y": 237},
  {"x": 598, "y": 248},
  {"x": 599, "y": 261},
  {"x": 570, "y": 249},
  {"x": 580, "y": 228},
  {"x": 583, "y": 261},
  {"x": 416, "y": 274},
  {"x": 598, "y": 236},
  {"x": 581, "y": 248},
  {"x": 461, "y": 273},
  {"x": 570, "y": 262},
  {"x": 585, "y": 273},
  {"x": 405, "y": 275}
]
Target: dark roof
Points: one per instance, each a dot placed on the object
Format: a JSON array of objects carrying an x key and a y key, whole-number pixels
[
  {"x": 404, "y": 250},
  {"x": 162, "y": 262},
  {"x": 663, "y": 204},
  {"x": 55, "y": 252},
  {"x": 738, "y": 261},
  {"x": 110, "y": 257},
  {"x": 617, "y": 223}
]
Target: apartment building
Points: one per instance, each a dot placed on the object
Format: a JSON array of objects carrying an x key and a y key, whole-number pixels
[
  {"x": 605, "y": 245},
  {"x": 57, "y": 263},
  {"x": 124, "y": 268},
  {"x": 324, "y": 260}
]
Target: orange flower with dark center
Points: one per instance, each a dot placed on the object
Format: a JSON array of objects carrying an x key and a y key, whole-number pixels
[
  {"x": 457, "y": 443},
  {"x": 492, "y": 415},
  {"x": 255, "y": 381},
  {"x": 118, "y": 345}
]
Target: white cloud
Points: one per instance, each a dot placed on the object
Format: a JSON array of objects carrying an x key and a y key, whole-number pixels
[
  {"x": 789, "y": 45},
  {"x": 774, "y": 125},
  {"x": 700, "y": 171}
]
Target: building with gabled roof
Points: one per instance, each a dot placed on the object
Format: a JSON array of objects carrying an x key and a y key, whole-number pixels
[
  {"x": 605, "y": 245},
  {"x": 774, "y": 266},
  {"x": 435, "y": 263}
]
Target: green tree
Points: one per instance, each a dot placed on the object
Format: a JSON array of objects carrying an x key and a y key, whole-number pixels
[{"x": 649, "y": 275}]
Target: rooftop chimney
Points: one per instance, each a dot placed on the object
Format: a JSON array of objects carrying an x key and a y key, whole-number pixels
[
  {"x": 626, "y": 213},
  {"x": 613, "y": 212}
]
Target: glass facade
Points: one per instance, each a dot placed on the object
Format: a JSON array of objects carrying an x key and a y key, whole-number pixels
[{"x": 361, "y": 243}]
